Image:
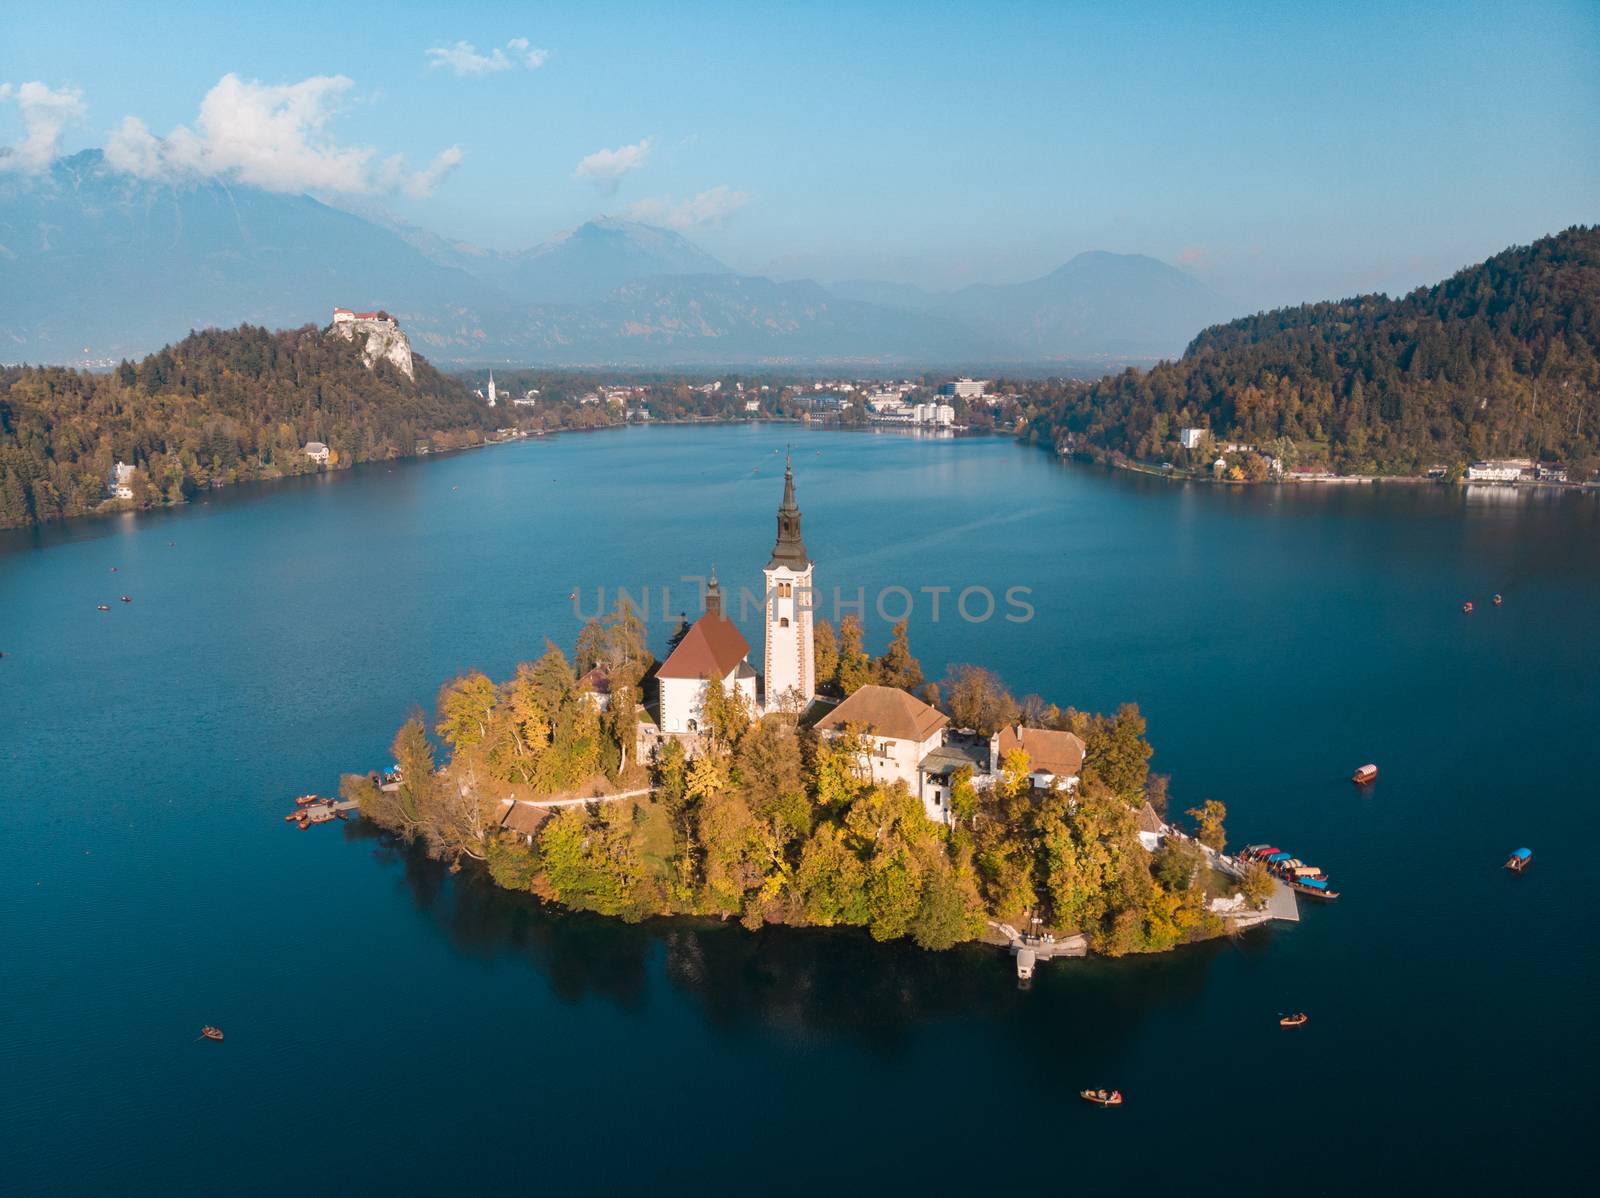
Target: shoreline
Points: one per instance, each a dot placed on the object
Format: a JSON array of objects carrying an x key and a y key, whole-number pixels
[{"x": 1335, "y": 480}]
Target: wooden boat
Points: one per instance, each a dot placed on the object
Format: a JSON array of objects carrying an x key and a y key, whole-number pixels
[
  {"x": 305, "y": 800},
  {"x": 1519, "y": 860},
  {"x": 1298, "y": 1019},
  {"x": 1316, "y": 888},
  {"x": 1366, "y": 774},
  {"x": 291, "y": 817},
  {"x": 1102, "y": 1097},
  {"x": 1497, "y": 599},
  {"x": 127, "y": 598},
  {"x": 1467, "y": 607},
  {"x": 103, "y": 607},
  {"x": 211, "y": 1033}
]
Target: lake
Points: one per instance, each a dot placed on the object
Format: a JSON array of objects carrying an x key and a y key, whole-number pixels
[{"x": 392, "y": 1028}]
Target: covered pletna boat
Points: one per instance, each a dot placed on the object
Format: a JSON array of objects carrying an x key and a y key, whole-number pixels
[
  {"x": 1102, "y": 1097},
  {"x": 1298, "y": 1019},
  {"x": 1519, "y": 860},
  {"x": 1367, "y": 773},
  {"x": 1316, "y": 888}
]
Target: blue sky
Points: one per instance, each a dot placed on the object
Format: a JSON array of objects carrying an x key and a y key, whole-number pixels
[{"x": 1279, "y": 152}]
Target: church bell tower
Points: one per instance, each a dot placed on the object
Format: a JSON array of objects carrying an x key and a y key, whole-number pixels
[{"x": 790, "y": 673}]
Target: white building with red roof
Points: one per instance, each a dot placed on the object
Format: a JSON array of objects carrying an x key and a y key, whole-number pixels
[{"x": 712, "y": 648}]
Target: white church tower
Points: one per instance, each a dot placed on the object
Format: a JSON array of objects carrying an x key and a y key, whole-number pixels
[
  {"x": 491, "y": 389},
  {"x": 790, "y": 673}
]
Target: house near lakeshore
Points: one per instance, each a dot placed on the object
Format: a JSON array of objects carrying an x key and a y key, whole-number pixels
[
  {"x": 900, "y": 732},
  {"x": 121, "y": 481},
  {"x": 1054, "y": 757},
  {"x": 317, "y": 452}
]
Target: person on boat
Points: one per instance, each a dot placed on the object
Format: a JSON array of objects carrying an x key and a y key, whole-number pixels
[{"x": 1116, "y": 1096}]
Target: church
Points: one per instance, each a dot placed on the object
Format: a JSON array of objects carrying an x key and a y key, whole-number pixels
[{"x": 714, "y": 647}]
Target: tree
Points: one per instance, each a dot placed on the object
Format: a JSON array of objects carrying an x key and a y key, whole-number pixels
[
  {"x": 1118, "y": 753},
  {"x": 1256, "y": 884},
  {"x": 897, "y": 667},
  {"x": 855, "y": 667},
  {"x": 1209, "y": 815},
  {"x": 979, "y": 700},
  {"x": 767, "y": 766},
  {"x": 1176, "y": 863},
  {"x": 466, "y": 707},
  {"x": 949, "y": 911},
  {"x": 825, "y": 655}
]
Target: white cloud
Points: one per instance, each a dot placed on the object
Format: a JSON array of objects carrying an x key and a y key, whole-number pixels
[
  {"x": 45, "y": 113},
  {"x": 708, "y": 208},
  {"x": 273, "y": 136},
  {"x": 605, "y": 168},
  {"x": 394, "y": 175},
  {"x": 464, "y": 59},
  {"x": 532, "y": 56}
]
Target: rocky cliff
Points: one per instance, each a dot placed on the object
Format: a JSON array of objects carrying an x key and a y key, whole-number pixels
[{"x": 384, "y": 340}]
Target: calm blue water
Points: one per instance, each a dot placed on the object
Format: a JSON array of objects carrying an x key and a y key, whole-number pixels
[{"x": 391, "y": 1028}]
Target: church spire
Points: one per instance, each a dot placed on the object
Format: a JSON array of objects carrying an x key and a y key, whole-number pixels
[
  {"x": 713, "y": 596},
  {"x": 790, "y": 550}
]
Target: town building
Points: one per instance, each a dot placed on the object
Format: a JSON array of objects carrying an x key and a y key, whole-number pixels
[
  {"x": 121, "y": 481},
  {"x": 346, "y": 316},
  {"x": 1550, "y": 472},
  {"x": 965, "y": 388},
  {"x": 900, "y": 732},
  {"x": 790, "y": 663},
  {"x": 317, "y": 452},
  {"x": 1500, "y": 470},
  {"x": 712, "y": 648}
]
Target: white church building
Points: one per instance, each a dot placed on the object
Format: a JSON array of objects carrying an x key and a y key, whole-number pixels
[{"x": 715, "y": 648}]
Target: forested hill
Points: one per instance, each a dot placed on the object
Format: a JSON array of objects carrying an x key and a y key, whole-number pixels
[
  {"x": 220, "y": 406},
  {"x": 1502, "y": 360}
]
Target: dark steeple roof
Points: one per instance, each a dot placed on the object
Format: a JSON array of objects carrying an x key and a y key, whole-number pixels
[{"x": 790, "y": 550}]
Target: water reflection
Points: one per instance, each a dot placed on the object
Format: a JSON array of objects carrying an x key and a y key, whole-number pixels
[{"x": 832, "y": 983}]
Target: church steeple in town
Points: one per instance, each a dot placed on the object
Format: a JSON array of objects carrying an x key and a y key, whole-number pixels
[{"x": 790, "y": 550}]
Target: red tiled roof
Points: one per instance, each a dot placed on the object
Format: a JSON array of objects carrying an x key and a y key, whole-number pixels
[
  {"x": 1049, "y": 751},
  {"x": 886, "y": 711},
  {"x": 710, "y": 649}
]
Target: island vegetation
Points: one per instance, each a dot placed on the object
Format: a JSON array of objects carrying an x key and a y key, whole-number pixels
[
  {"x": 1501, "y": 360},
  {"x": 768, "y": 822}
]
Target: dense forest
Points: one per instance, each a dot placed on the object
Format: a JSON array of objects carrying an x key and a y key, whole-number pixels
[
  {"x": 220, "y": 406},
  {"x": 1502, "y": 360},
  {"x": 768, "y": 822}
]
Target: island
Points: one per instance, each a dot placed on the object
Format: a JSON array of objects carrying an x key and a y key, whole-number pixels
[{"x": 830, "y": 789}]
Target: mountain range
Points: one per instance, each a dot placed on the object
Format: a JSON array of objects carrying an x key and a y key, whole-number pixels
[{"x": 96, "y": 264}]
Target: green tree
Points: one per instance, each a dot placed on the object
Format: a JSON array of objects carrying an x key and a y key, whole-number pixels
[
  {"x": 1210, "y": 816},
  {"x": 855, "y": 666},
  {"x": 825, "y": 655},
  {"x": 897, "y": 667},
  {"x": 1118, "y": 753},
  {"x": 466, "y": 707}
]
